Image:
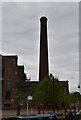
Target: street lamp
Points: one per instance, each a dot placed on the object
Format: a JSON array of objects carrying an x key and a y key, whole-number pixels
[
  {"x": 79, "y": 87},
  {"x": 29, "y": 102}
]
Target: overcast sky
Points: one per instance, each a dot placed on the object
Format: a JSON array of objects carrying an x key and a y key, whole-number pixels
[{"x": 21, "y": 36}]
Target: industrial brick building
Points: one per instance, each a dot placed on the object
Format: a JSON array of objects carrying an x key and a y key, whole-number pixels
[{"x": 11, "y": 75}]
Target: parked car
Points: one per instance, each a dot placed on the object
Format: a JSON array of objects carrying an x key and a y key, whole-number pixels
[{"x": 47, "y": 116}]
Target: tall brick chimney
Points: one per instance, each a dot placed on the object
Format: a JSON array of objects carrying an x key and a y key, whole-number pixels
[{"x": 43, "y": 61}]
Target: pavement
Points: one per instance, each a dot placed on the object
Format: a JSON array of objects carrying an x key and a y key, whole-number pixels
[{"x": 8, "y": 113}]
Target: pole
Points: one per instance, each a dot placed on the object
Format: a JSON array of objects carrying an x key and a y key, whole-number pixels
[
  {"x": 53, "y": 96},
  {"x": 27, "y": 106},
  {"x": 52, "y": 80}
]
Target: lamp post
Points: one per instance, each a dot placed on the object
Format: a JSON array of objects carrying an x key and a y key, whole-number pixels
[
  {"x": 52, "y": 79},
  {"x": 53, "y": 96},
  {"x": 20, "y": 103},
  {"x": 79, "y": 86},
  {"x": 18, "y": 108},
  {"x": 29, "y": 102}
]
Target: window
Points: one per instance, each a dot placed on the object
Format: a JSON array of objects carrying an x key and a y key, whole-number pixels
[
  {"x": 8, "y": 83},
  {"x": 9, "y": 72},
  {"x": 14, "y": 60},
  {"x": 2, "y": 72},
  {"x": 8, "y": 95},
  {"x": 7, "y": 105}
]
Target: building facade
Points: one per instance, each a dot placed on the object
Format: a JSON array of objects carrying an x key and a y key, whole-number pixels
[{"x": 12, "y": 74}]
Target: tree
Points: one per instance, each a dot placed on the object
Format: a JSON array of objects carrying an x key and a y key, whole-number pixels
[
  {"x": 76, "y": 97},
  {"x": 20, "y": 97},
  {"x": 49, "y": 91},
  {"x": 67, "y": 99}
]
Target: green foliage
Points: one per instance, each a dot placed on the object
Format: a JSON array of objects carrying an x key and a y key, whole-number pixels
[
  {"x": 20, "y": 96},
  {"x": 67, "y": 99},
  {"x": 49, "y": 90},
  {"x": 76, "y": 97},
  {"x": 72, "y": 98}
]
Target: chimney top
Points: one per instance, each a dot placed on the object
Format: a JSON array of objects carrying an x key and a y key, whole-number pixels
[{"x": 43, "y": 18}]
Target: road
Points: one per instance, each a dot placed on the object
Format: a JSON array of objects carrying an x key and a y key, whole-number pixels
[{"x": 8, "y": 113}]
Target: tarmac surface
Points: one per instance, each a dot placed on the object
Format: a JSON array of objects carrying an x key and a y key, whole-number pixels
[{"x": 8, "y": 113}]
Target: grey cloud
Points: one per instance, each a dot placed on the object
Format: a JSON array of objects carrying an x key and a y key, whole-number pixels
[{"x": 21, "y": 25}]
